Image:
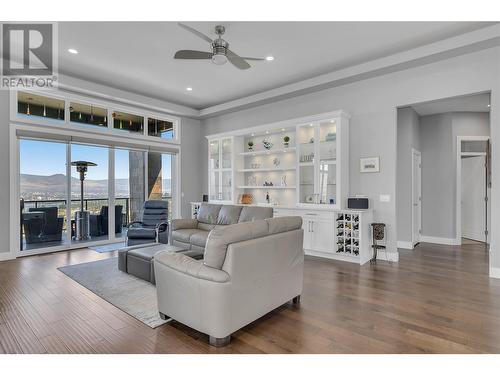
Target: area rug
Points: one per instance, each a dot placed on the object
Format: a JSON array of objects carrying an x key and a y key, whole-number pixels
[
  {"x": 109, "y": 247},
  {"x": 130, "y": 294}
]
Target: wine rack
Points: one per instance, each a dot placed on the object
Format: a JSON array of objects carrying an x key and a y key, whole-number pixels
[{"x": 348, "y": 234}]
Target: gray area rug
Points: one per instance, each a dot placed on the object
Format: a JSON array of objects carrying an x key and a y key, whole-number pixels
[
  {"x": 109, "y": 247},
  {"x": 130, "y": 294}
]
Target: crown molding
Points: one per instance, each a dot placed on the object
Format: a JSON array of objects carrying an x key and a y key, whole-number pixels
[{"x": 477, "y": 40}]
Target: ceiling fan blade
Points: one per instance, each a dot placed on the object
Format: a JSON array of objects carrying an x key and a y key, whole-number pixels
[
  {"x": 190, "y": 54},
  {"x": 236, "y": 60},
  {"x": 252, "y": 58},
  {"x": 196, "y": 32}
]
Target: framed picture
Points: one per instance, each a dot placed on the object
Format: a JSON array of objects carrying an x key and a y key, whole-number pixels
[{"x": 369, "y": 165}]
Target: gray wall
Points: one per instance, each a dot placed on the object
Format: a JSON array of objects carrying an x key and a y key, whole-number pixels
[
  {"x": 4, "y": 172},
  {"x": 372, "y": 104},
  {"x": 439, "y": 160},
  {"x": 438, "y": 184},
  {"x": 192, "y": 167},
  {"x": 408, "y": 131}
]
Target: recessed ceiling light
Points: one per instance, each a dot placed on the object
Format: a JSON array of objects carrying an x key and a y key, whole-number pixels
[
  {"x": 283, "y": 129},
  {"x": 253, "y": 134},
  {"x": 73, "y": 51},
  {"x": 267, "y": 131},
  {"x": 189, "y": 88},
  {"x": 489, "y": 105},
  {"x": 270, "y": 58}
]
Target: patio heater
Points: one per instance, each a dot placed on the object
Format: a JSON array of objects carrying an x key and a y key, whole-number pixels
[{"x": 82, "y": 217}]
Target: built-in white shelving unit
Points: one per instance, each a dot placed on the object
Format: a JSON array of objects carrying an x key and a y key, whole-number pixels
[
  {"x": 306, "y": 160},
  {"x": 268, "y": 152},
  {"x": 266, "y": 187}
]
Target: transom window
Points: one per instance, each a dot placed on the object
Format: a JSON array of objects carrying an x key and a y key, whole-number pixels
[{"x": 74, "y": 110}]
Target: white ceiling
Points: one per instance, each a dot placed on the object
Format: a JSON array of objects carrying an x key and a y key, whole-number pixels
[
  {"x": 469, "y": 103},
  {"x": 138, "y": 56}
]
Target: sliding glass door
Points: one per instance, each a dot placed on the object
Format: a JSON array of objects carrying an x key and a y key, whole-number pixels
[
  {"x": 93, "y": 225},
  {"x": 160, "y": 184},
  {"x": 115, "y": 183},
  {"x": 43, "y": 194}
]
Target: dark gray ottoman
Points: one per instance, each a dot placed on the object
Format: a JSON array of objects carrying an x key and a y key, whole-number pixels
[{"x": 138, "y": 260}]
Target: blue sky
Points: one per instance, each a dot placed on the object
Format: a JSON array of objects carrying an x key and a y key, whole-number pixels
[{"x": 49, "y": 158}]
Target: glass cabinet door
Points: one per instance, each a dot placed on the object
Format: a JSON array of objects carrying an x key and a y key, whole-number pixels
[
  {"x": 214, "y": 155},
  {"x": 328, "y": 182},
  {"x": 306, "y": 143},
  {"x": 328, "y": 162},
  {"x": 226, "y": 190},
  {"x": 317, "y": 154},
  {"x": 214, "y": 182},
  {"x": 328, "y": 140},
  {"x": 306, "y": 184},
  {"x": 226, "y": 152}
]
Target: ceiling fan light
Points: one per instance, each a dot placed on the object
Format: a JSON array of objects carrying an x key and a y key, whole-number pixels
[{"x": 219, "y": 59}]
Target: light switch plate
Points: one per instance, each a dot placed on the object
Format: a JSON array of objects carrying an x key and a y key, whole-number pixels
[{"x": 385, "y": 198}]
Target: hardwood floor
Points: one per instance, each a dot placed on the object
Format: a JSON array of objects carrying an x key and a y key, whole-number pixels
[{"x": 437, "y": 299}]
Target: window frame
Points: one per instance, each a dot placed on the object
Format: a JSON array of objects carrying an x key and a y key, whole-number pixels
[{"x": 109, "y": 106}]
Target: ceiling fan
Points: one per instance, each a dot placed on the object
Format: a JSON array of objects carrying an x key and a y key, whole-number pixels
[{"x": 220, "y": 50}]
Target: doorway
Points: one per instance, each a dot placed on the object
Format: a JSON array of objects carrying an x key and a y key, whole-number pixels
[
  {"x": 473, "y": 189},
  {"x": 416, "y": 194}
]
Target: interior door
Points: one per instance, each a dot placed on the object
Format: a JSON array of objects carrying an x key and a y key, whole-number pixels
[
  {"x": 473, "y": 194},
  {"x": 416, "y": 196}
]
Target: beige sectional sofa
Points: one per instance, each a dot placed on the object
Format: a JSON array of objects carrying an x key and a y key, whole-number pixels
[
  {"x": 193, "y": 233},
  {"x": 249, "y": 269}
]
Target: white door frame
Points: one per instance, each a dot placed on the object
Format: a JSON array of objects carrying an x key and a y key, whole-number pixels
[
  {"x": 458, "y": 192},
  {"x": 414, "y": 240}
]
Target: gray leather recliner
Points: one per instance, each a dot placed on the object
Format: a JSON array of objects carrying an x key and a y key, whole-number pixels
[
  {"x": 153, "y": 225},
  {"x": 193, "y": 233},
  {"x": 248, "y": 270}
]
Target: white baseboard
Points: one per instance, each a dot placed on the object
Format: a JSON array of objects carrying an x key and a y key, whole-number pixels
[
  {"x": 405, "y": 245},
  {"x": 390, "y": 256},
  {"x": 495, "y": 272},
  {"x": 6, "y": 256},
  {"x": 440, "y": 240}
]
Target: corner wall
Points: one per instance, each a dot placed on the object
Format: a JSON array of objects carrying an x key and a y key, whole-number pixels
[
  {"x": 4, "y": 173},
  {"x": 408, "y": 130}
]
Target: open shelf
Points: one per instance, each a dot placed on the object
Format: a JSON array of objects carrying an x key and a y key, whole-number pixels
[
  {"x": 266, "y": 187},
  {"x": 266, "y": 169},
  {"x": 267, "y": 152}
]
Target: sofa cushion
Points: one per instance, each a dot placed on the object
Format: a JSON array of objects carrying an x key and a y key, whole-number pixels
[
  {"x": 221, "y": 237},
  {"x": 199, "y": 238},
  {"x": 229, "y": 214},
  {"x": 142, "y": 233},
  {"x": 184, "y": 235},
  {"x": 284, "y": 224},
  {"x": 207, "y": 213},
  {"x": 252, "y": 213},
  {"x": 206, "y": 227}
]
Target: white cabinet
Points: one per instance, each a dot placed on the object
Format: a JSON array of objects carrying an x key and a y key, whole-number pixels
[
  {"x": 336, "y": 234},
  {"x": 221, "y": 170},
  {"x": 323, "y": 238},
  {"x": 318, "y": 230},
  {"x": 322, "y": 155}
]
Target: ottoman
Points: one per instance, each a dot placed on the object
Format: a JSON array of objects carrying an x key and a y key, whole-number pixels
[{"x": 138, "y": 260}]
